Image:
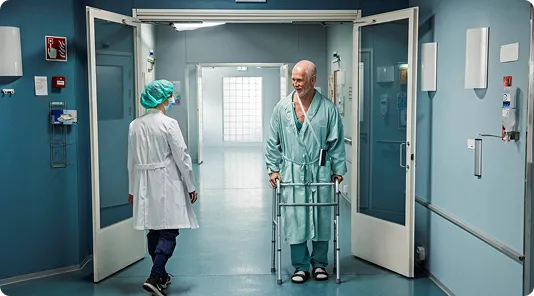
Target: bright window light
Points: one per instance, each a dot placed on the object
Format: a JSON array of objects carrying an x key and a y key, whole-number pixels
[
  {"x": 194, "y": 26},
  {"x": 242, "y": 110}
]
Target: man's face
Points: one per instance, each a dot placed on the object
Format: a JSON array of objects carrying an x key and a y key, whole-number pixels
[{"x": 302, "y": 84}]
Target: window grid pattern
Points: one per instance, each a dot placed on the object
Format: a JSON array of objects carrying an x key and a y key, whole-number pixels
[{"x": 242, "y": 114}]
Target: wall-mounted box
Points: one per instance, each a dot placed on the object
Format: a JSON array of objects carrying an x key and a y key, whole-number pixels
[
  {"x": 10, "y": 52},
  {"x": 385, "y": 74},
  {"x": 429, "y": 60},
  {"x": 476, "y": 58}
]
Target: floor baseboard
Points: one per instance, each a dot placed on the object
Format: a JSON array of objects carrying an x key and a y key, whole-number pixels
[
  {"x": 46, "y": 273},
  {"x": 435, "y": 280}
]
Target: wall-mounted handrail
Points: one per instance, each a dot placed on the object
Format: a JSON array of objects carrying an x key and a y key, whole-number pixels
[{"x": 483, "y": 237}]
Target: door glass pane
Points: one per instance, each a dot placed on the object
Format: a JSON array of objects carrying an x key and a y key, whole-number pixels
[
  {"x": 384, "y": 55},
  {"x": 115, "y": 109}
]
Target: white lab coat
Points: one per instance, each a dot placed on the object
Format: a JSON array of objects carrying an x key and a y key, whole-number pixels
[{"x": 160, "y": 174}]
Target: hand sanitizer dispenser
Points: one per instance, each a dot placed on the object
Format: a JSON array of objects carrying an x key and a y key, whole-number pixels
[{"x": 509, "y": 112}]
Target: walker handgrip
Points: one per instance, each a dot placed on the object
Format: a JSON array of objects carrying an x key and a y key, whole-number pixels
[
  {"x": 305, "y": 184},
  {"x": 278, "y": 184}
]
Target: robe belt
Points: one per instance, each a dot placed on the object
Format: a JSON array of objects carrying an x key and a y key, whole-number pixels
[{"x": 305, "y": 165}]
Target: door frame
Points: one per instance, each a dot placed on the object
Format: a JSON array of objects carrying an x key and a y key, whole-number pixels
[
  {"x": 360, "y": 219},
  {"x": 290, "y": 16},
  {"x": 200, "y": 115},
  {"x": 244, "y": 15},
  {"x": 527, "y": 237},
  {"x": 125, "y": 227},
  {"x": 238, "y": 16}
]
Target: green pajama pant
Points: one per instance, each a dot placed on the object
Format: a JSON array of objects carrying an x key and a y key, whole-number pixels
[{"x": 300, "y": 256}]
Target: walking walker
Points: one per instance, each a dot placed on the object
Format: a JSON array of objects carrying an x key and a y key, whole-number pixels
[{"x": 277, "y": 206}]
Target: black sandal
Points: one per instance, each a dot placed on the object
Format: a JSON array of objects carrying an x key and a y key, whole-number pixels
[
  {"x": 319, "y": 271},
  {"x": 300, "y": 277}
]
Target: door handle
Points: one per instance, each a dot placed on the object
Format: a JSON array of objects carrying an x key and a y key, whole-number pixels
[{"x": 400, "y": 154}]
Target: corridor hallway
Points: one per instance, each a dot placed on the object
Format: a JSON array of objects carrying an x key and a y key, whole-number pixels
[{"x": 230, "y": 253}]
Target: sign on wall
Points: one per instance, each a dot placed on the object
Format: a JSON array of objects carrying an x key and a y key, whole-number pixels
[
  {"x": 56, "y": 48},
  {"x": 177, "y": 92}
]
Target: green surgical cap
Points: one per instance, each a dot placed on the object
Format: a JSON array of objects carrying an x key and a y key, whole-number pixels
[{"x": 156, "y": 93}]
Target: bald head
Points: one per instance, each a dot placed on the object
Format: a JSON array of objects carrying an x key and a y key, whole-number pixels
[
  {"x": 303, "y": 76},
  {"x": 307, "y": 67}
]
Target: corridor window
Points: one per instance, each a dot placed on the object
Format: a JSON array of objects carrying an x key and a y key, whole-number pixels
[{"x": 242, "y": 114}]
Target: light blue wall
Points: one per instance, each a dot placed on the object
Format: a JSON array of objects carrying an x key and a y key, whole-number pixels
[
  {"x": 251, "y": 43},
  {"x": 494, "y": 204},
  {"x": 339, "y": 39}
]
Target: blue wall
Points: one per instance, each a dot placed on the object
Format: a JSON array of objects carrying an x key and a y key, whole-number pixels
[
  {"x": 44, "y": 211},
  {"x": 84, "y": 152},
  {"x": 493, "y": 204}
]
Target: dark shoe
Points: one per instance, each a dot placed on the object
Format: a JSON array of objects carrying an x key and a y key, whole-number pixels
[
  {"x": 320, "y": 274},
  {"x": 166, "y": 281},
  {"x": 300, "y": 277},
  {"x": 153, "y": 285}
]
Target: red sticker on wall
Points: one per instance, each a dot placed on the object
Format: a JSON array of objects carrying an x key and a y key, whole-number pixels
[
  {"x": 507, "y": 81},
  {"x": 56, "y": 48}
]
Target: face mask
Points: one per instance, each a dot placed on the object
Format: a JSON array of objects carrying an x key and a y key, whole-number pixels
[{"x": 171, "y": 102}]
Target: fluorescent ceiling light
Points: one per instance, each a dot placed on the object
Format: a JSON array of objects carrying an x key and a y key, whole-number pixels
[{"x": 194, "y": 26}]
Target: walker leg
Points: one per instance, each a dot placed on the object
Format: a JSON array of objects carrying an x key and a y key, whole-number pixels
[
  {"x": 335, "y": 244},
  {"x": 278, "y": 235},
  {"x": 273, "y": 238},
  {"x": 338, "y": 279}
]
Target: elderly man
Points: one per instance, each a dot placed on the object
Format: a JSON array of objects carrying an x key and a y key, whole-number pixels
[{"x": 306, "y": 127}]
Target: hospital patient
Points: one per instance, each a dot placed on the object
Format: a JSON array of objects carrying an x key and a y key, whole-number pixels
[
  {"x": 161, "y": 181},
  {"x": 305, "y": 125}
]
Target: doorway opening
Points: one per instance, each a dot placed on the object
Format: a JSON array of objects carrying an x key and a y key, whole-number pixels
[
  {"x": 188, "y": 52},
  {"x": 235, "y": 103}
]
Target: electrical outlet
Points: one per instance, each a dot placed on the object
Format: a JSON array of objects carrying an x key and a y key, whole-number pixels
[
  {"x": 471, "y": 144},
  {"x": 345, "y": 189},
  {"x": 421, "y": 253},
  {"x": 8, "y": 91}
]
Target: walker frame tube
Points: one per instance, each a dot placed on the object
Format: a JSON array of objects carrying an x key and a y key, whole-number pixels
[{"x": 276, "y": 217}]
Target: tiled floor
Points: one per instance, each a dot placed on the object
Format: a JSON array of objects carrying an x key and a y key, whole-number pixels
[{"x": 230, "y": 253}]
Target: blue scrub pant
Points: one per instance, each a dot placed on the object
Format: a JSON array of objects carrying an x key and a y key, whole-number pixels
[
  {"x": 300, "y": 256},
  {"x": 161, "y": 245}
]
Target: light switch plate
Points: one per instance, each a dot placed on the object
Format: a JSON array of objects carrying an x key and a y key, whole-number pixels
[{"x": 471, "y": 144}]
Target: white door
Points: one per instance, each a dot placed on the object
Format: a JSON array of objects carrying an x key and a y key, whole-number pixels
[
  {"x": 383, "y": 216},
  {"x": 200, "y": 115},
  {"x": 113, "y": 92}
]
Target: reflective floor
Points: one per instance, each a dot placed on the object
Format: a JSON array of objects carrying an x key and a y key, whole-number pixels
[{"x": 230, "y": 253}]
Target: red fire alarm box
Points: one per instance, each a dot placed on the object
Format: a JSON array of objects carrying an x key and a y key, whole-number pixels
[{"x": 59, "y": 82}]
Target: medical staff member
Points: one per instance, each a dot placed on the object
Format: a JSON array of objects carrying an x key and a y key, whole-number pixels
[
  {"x": 303, "y": 126},
  {"x": 161, "y": 180}
]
